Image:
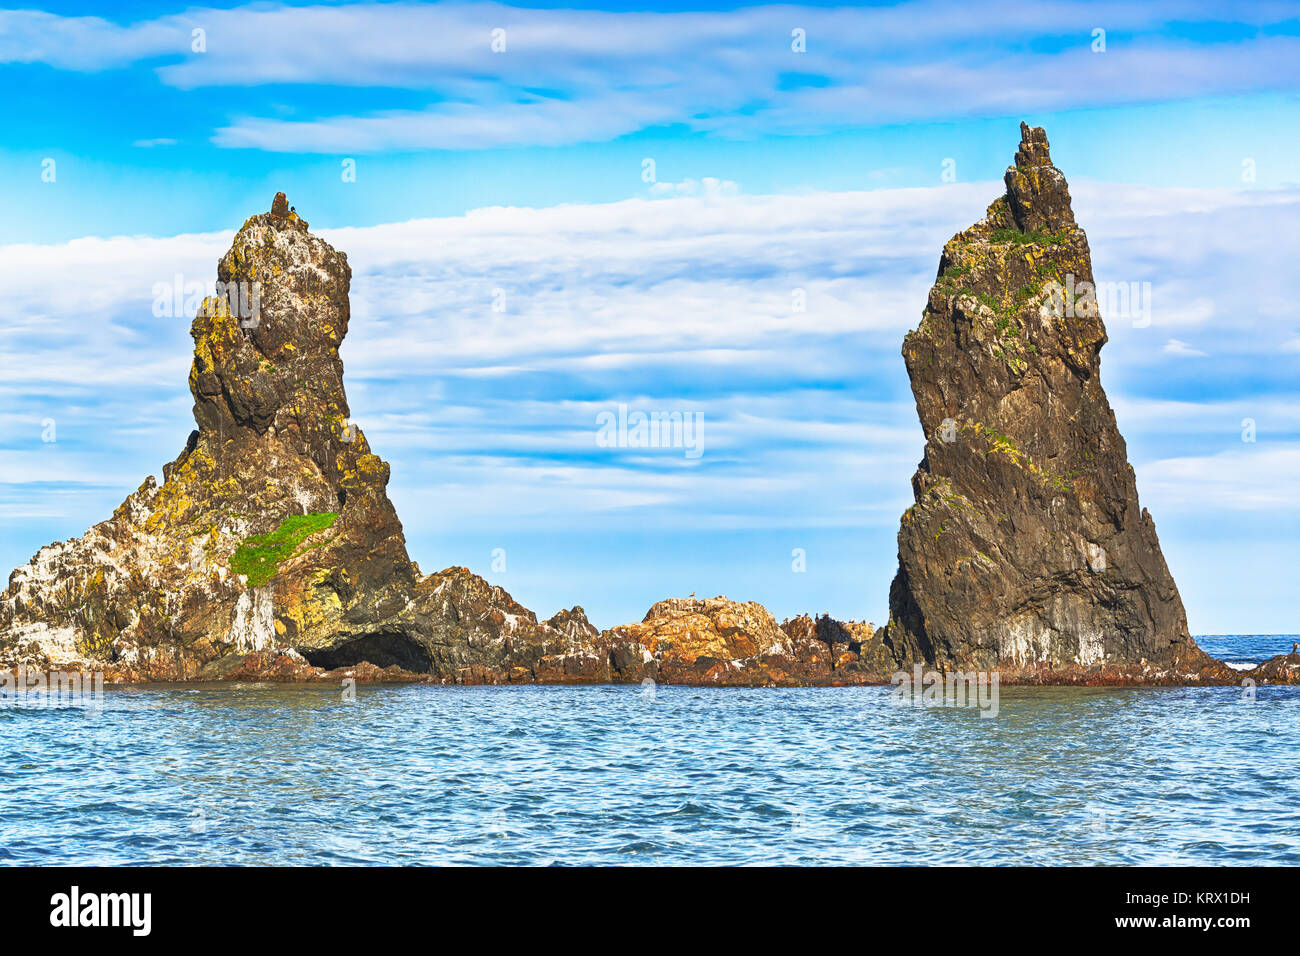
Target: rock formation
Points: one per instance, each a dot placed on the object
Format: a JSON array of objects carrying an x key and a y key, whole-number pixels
[
  {"x": 1026, "y": 550},
  {"x": 272, "y": 528},
  {"x": 271, "y": 551},
  {"x": 716, "y": 641}
]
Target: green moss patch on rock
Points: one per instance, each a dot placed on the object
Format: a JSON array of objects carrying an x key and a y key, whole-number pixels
[
  {"x": 260, "y": 556},
  {"x": 1016, "y": 237}
]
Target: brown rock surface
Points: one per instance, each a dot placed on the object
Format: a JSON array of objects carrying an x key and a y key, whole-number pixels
[
  {"x": 1027, "y": 551},
  {"x": 272, "y": 529},
  {"x": 1283, "y": 669},
  {"x": 715, "y": 641},
  {"x": 272, "y": 552}
]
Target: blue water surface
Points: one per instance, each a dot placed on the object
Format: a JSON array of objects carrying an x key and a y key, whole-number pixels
[
  {"x": 265, "y": 774},
  {"x": 1241, "y": 650}
]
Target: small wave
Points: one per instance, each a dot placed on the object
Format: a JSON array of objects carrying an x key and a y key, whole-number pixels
[
  {"x": 641, "y": 846},
  {"x": 690, "y": 809}
]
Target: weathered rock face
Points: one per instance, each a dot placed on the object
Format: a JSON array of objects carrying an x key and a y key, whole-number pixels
[
  {"x": 1282, "y": 669},
  {"x": 728, "y": 643},
  {"x": 151, "y": 590},
  {"x": 271, "y": 550},
  {"x": 1026, "y": 550},
  {"x": 272, "y": 528}
]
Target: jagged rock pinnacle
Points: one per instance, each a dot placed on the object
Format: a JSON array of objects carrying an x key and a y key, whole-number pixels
[
  {"x": 272, "y": 525},
  {"x": 1026, "y": 550},
  {"x": 1036, "y": 190},
  {"x": 271, "y": 550}
]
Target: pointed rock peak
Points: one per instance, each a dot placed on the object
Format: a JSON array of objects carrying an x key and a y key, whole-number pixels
[
  {"x": 1037, "y": 193},
  {"x": 1034, "y": 148},
  {"x": 1026, "y": 550},
  {"x": 266, "y": 348},
  {"x": 282, "y": 214}
]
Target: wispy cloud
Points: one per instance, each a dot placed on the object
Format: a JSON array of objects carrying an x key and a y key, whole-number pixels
[
  {"x": 564, "y": 76},
  {"x": 1179, "y": 347},
  {"x": 707, "y": 186},
  {"x": 1250, "y": 477},
  {"x": 502, "y": 333}
]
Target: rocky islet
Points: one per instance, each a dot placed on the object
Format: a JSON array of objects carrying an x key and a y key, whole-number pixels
[{"x": 272, "y": 552}]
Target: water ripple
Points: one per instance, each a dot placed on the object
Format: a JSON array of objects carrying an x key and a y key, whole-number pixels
[{"x": 265, "y": 774}]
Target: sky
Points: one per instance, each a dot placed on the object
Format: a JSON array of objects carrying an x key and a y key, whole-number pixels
[{"x": 732, "y": 212}]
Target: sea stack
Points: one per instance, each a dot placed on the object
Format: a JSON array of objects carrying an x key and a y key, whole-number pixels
[
  {"x": 272, "y": 526},
  {"x": 1026, "y": 550},
  {"x": 271, "y": 549}
]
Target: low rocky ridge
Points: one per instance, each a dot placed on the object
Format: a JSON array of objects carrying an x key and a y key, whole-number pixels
[
  {"x": 272, "y": 552},
  {"x": 1283, "y": 669}
]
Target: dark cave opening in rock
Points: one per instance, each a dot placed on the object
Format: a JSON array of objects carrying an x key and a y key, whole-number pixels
[{"x": 383, "y": 649}]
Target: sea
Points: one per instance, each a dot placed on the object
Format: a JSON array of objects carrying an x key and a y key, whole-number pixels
[{"x": 250, "y": 774}]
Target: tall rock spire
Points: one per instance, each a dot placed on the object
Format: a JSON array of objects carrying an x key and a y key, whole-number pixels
[
  {"x": 1026, "y": 549},
  {"x": 271, "y": 548},
  {"x": 272, "y": 526}
]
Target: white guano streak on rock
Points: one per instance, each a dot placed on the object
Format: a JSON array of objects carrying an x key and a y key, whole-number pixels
[{"x": 253, "y": 628}]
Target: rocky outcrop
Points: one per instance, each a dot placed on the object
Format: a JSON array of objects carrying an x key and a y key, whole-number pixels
[
  {"x": 272, "y": 530},
  {"x": 728, "y": 643},
  {"x": 1283, "y": 669},
  {"x": 1026, "y": 550},
  {"x": 272, "y": 552}
]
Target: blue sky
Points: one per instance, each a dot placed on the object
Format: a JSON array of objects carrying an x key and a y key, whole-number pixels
[{"x": 522, "y": 171}]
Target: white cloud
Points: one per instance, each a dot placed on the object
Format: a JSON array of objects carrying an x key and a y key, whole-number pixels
[
  {"x": 476, "y": 125},
  {"x": 585, "y": 75},
  {"x": 1254, "y": 477},
  {"x": 1181, "y": 348},
  {"x": 706, "y": 186}
]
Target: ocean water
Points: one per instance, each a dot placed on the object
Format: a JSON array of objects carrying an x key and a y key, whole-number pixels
[
  {"x": 266, "y": 774},
  {"x": 1244, "y": 651}
]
